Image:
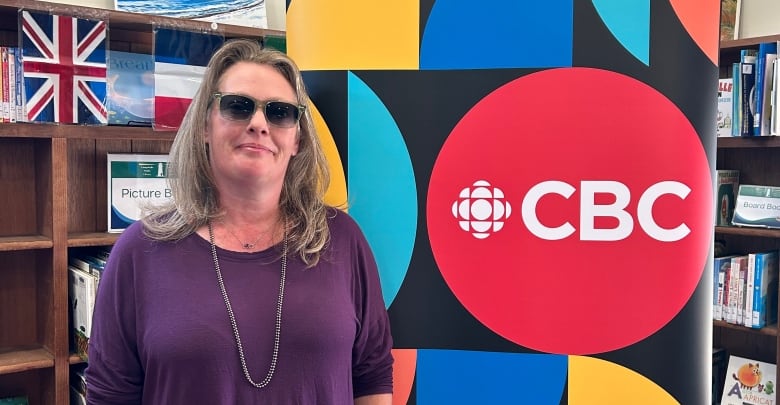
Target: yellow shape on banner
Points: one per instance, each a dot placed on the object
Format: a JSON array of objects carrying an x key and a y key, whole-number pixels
[
  {"x": 350, "y": 34},
  {"x": 596, "y": 381},
  {"x": 336, "y": 195}
]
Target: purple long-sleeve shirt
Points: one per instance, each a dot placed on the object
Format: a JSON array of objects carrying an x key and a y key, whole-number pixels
[{"x": 161, "y": 333}]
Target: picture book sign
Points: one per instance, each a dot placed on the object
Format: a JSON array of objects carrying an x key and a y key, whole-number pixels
[{"x": 134, "y": 182}]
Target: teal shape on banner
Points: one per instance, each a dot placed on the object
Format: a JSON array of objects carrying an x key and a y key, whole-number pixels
[
  {"x": 465, "y": 377},
  {"x": 497, "y": 34},
  {"x": 380, "y": 185},
  {"x": 629, "y": 22}
]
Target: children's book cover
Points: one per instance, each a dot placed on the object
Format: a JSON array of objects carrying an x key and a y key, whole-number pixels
[
  {"x": 725, "y": 99},
  {"x": 727, "y": 183},
  {"x": 130, "y": 80},
  {"x": 749, "y": 382}
]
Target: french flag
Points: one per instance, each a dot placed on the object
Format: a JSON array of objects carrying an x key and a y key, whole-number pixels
[{"x": 180, "y": 59}]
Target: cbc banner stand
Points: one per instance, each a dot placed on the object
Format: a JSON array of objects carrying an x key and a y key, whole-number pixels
[{"x": 535, "y": 179}]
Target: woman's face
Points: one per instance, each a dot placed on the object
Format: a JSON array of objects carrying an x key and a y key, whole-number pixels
[{"x": 254, "y": 151}]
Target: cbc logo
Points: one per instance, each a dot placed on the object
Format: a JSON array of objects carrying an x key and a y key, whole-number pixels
[{"x": 481, "y": 209}]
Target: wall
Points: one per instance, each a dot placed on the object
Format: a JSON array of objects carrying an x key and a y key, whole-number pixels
[
  {"x": 275, "y": 9},
  {"x": 759, "y": 17}
]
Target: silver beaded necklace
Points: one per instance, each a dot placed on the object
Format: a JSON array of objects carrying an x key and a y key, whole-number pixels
[{"x": 278, "y": 326}]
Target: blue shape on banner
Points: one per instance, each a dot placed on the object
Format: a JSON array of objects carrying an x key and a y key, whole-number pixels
[
  {"x": 381, "y": 185},
  {"x": 498, "y": 34},
  {"x": 629, "y": 22},
  {"x": 465, "y": 377}
]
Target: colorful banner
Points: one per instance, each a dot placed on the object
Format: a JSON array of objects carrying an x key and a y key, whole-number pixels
[{"x": 535, "y": 179}]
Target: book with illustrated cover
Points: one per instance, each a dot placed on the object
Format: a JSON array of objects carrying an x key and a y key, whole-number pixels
[
  {"x": 725, "y": 119},
  {"x": 130, "y": 80},
  {"x": 135, "y": 181},
  {"x": 726, "y": 186},
  {"x": 749, "y": 382}
]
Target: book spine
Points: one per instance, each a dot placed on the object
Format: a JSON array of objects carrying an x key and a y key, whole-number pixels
[
  {"x": 721, "y": 276},
  {"x": 727, "y": 292},
  {"x": 21, "y": 110},
  {"x": 753, "y": 260},
  {"x": 12, "y": 84},
  {"x": 6, "y": 106},
  {"x": 736, "y": 99},
  {"x": 748, "y": 75},
  {"x": 759, "y": 320}
]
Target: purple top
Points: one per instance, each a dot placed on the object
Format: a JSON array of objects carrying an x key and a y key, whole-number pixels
[{"x": 161, "y": 333}]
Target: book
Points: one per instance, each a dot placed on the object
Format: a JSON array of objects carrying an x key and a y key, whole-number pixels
[
  {"x": 725, "y": 119},
  {"x": 736, "y": 99},
  {"x": 732, "y": 308},
  {"x": 764, "y": 301},
  {"x": 727, "y": 184},
  {"x": 774, "y": 119},
  {"x": 749, "y": 382},
  {"x": 721, "y": 266},
  {"x": 764, "y": 49},
  {"x": 130, "y": 79},
  {"x": 757, "y": 206},
  {"x": 82, "y": 292},
  {"x": 748, "y": 88},
  {"x": 135, "y": 181}
]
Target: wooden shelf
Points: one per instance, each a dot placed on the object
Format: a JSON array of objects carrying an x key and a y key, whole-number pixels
[
  {"x": 749, "y": 142},
  {"x": 106, "y": 132},
  {"x": 14, "y": 360},
  {"x": 746, "y": 231},
  {"x": 75, "y": 359},
  {"x": 92, "y": 239},
  {"x": 9, "y": 243},
  {"x": 746, "y": 42},
  {"x": 770, "y": 330}
]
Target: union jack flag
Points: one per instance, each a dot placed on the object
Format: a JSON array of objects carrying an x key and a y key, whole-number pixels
[{"x": 64, "y": 62}]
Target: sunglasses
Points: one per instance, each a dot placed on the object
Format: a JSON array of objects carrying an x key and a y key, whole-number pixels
[{"x": 236, "y": 107}]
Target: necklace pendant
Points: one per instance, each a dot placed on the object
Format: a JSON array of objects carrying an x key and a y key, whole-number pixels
[{"x": 248, "y": 246}]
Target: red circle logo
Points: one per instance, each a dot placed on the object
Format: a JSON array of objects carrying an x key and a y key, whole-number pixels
[{"x": 570, "y": 211}]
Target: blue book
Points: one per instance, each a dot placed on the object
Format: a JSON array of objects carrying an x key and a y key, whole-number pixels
[
  {"x": 763, "y": 49},
  {"x": 130, "y": 80},
  {"x": 765, "y": 289}
]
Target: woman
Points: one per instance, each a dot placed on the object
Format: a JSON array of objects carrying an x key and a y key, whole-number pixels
[{"x": 246, "y": 288}]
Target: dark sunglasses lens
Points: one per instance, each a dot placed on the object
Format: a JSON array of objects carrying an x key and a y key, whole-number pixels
[
  {"x": 236, "y": 107},
  {"x": 281, "y": 114}
]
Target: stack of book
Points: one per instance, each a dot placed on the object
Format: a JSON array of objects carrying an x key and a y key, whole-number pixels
[
  {"x": 748, "y": 100},
  {"x": 745, "y": 289}
]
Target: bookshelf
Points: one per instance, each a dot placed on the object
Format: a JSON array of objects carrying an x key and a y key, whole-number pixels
[
  {"x": 756, "y": 159},
  {"x": 53, "y": 182}
]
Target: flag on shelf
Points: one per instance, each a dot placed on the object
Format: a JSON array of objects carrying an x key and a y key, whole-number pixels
[
  {"x": 180, "y": 59},
  {"x": 64, "y": 68}
]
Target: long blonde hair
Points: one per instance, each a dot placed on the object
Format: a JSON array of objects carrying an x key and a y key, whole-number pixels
[{"x": 195, "y": 196}]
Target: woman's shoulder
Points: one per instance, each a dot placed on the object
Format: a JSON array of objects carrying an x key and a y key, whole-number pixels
[{"x": 340, "y": 220}]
